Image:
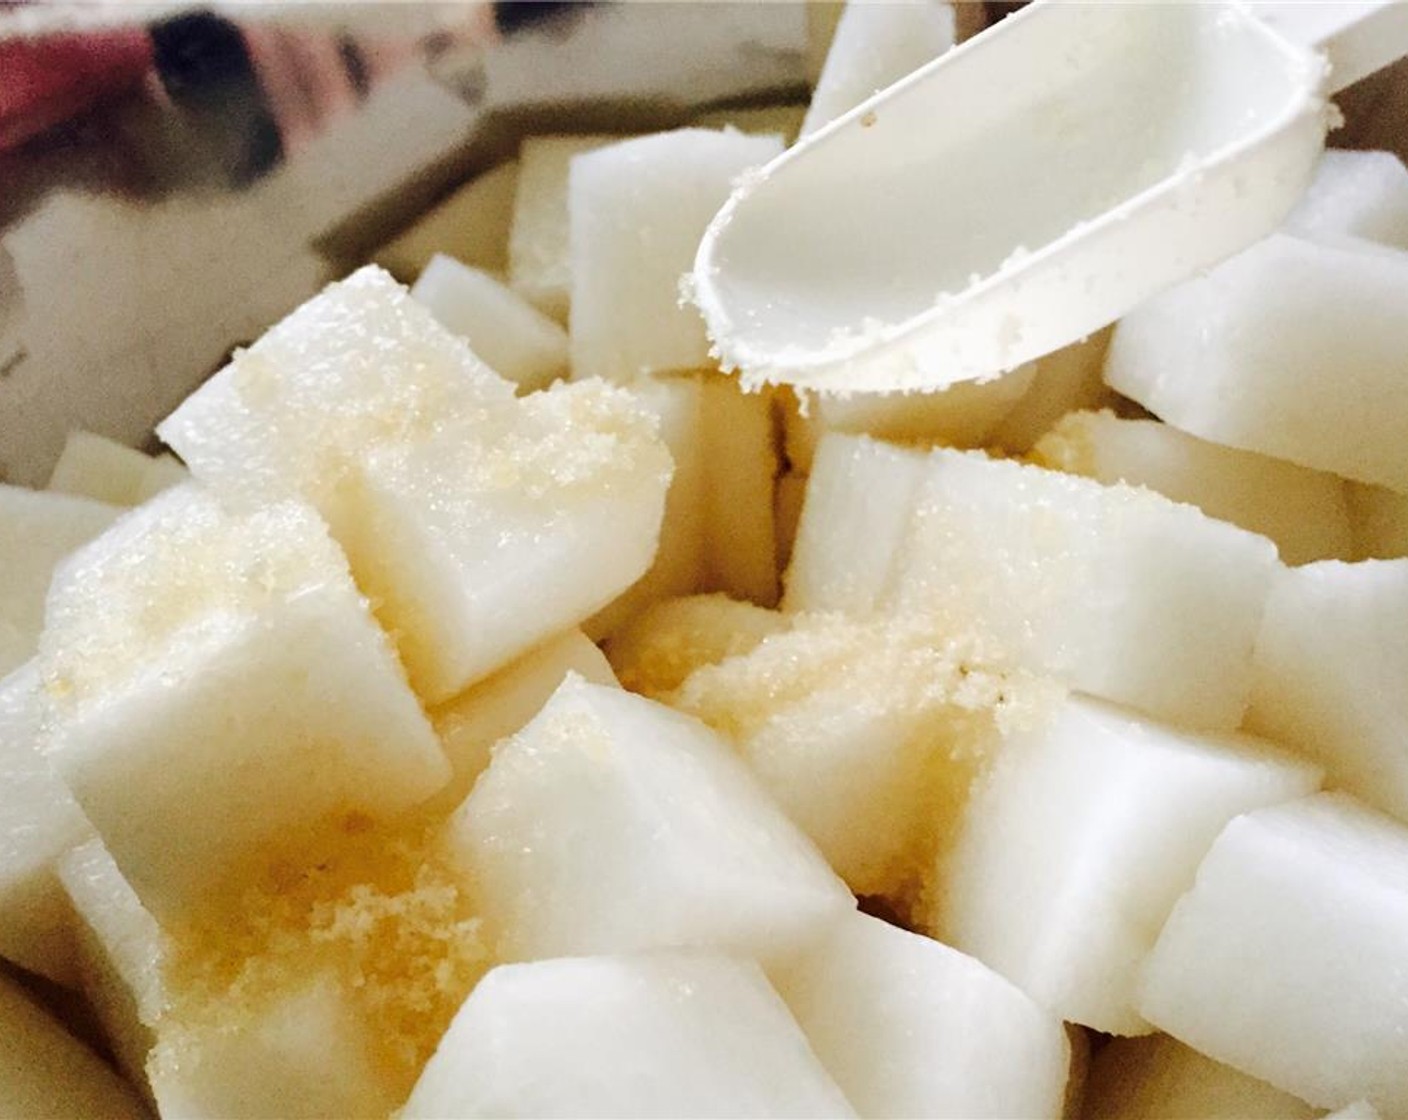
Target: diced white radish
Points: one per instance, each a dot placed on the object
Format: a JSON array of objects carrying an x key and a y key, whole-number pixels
[
  {"x": 1079, "y": 840},
  {"x": 611, "y": 824},
  {"x": 93, "y": 466},
  {"x": 1300, "y": 353},
  {"x": 875, "y": 45},
  {"x": 963, "y": 415},
  {"x": 1285, "y": 960},
  {"x": 788, "y": 499},
  {"x": 764, "y": 120},
  {"x": 661, "y": 1034},
  {"x": 860, "y": 498},
  {"x": 1114, "y": 591},
  {"x": 665, "y": 644},
  {"x": 162, "y": 473},
  {"x": 1362, "y": 194},
  {"x": 470, "y": 724},
  {"x": 39, "y": 822},
  {"x": 189, "y": 641},
  {"x": 909, "y": 1027},
  {"x": 1330, "y": 651},
  {"x": 1305, "y": 513},
  {"x": 1379, "y": 518},
  {"x": 867, "y": 733},
  {"x": 679, "y": 567},
  {"x": 306, "y": 1053},
  {"x": 46, "y": 1072},
  {"x": 517, "y": 340},
  {"x": 122, "y": 953},
  {"x": 740, "y": 464},
  {"x": 539, "y": 244},
  {"x": 471, "y": 225},
  {"x": 1065, "y": 381},
  {"x": 1157, "y": 1077},
  {"x": 37, "y": 530},
  {"x": 637, "y": 211},
  {"x": 360, "y": 366},
  {"x": 485, "y": 541}
]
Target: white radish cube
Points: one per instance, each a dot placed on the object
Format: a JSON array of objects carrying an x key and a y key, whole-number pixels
[
  {"x": 963, "y": 415},
  {"x": 189, "y": 642},
  {"x": 517, "y": 340},
  {"x": 122, "y": 952},
  {"x": 909, "y": 1027},
  {"x": 874, "y": 46},
  {"x": 1300, "y": 353},
  {"x": 470, "y": 724},
  {"x": 37, "y": 530},
  {"x": 306, "y": 1052},
  {"x": 860, "y": 499},
  {"x": 1285, "y": 960},
  {"x": 764, "y": 120},
  {"x": 162, "y": 473},
  {"x": 360, "y": 366},
  {"x": 1330, "y": 651},
  {"x": 612, "y": 824},
  {"x": 1304, "y": 512},
  {"x": 39, "y": 822},
  {"x": 483, "y": 542},
  {"x": 1157, "y": 1077},
  {"x": 741, "y": 467},
  {"x": 637, "y": 212},
  {"x": 1079, "y": 840},
  {"x": 1065, "y": 381},
  {"x": 867, "y": 733},
  {"x": 663, "y": 645},
  {"x": 1114, "y": 591},
  {"x": 471, "y": 225},
  {"x": 45, "y": 1071},
  {"x": 539, "y": 245},
  {"x": 1379, "y": 519},
  {"x": 679, "y": 565},
  {"x": 661, "y": 1034},
  {"x": 93, "y": 466},
  {"x": 1359, "y": 194}
]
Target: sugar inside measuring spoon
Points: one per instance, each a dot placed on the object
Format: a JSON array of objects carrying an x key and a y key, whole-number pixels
[{"x": 1027, "y": 188}]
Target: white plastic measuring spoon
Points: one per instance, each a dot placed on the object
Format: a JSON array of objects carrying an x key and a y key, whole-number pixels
[{"x": 1027, "y": 188}]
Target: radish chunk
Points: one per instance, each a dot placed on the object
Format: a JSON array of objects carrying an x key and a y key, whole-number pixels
[
  {"x": 1285, "y": 960},
  {"x": 92, "y": 466},
  {"x": 482, "y": 524},
  {"x": 661, "y": 1034},
  {"x": 215, "y": 688},
  {"x": 859, "y": 502},
  {"x": 874, "y": 46},
  {"x": 1305, "y": 513},
  {"x": 517, "y": 340},
  {"x": 1157, "y": 1077},
  {"x": 539, "y": 244},
  {"x": 1300, "y": 353},
  {"x": 910, "y": 1027},
  {"x": 1361, "y": 194},
  {"x": 1078, "y": 842},
  {"x": 46, "y": 1072},
  {"x": 37, "y": 530},
  {"x": 638, "y": 210},
  {"x": 308, "y": 1054},
  {"x": 1114, "y": 591},
  {"x": 1329, "y": 665},
  {"x": 470, "y": 724},
  {"x": 612, "y": 824},
  {"x": 1065, "y": 381},
  {"x": 39, "y": 822}
]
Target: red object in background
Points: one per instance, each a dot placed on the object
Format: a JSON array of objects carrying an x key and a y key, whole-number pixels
[{"x": 46, "y": 81}]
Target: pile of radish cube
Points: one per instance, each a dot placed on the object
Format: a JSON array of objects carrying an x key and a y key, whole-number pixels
[{"x": 501, "y": 714}]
